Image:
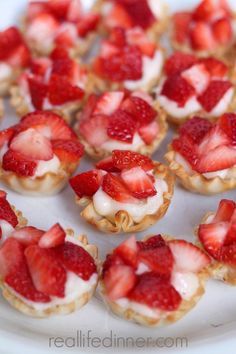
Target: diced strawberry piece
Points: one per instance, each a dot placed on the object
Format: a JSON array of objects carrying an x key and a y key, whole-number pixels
[
  {"x": 222, "y": 31},
  {"x": 231, "y": 234},
  {"x": 60, "y": 91},
  {"x": 117, "y": 37},
  {"x": 89, "y": 107},
  {"x": 116, "y": 189},
  {"x": 213, "y": 139},
  {"x": 188, "y": 257},
  {"x": 55, "y": 236},
  {"x": 212, "y": 236},
  {"x": 87, "y": 24},
  {"x": 139, "y": 183},
  {"x": 196, "y": 128},
  {"x": 151, "y": 243},
  {"x": 60, "y": 53},
  {"x": 215, "y": 67},
  {"x": 154, "y": 291},
  {"x": 118, "y": 281},
  {"x": 107, "y": 164},
  {"x": 225, "y": 210},
  {"x": 201, "y": 36},
  {"x": 3, "y": 194},
  {"x": 185, "y": 147},
  {"x": 11, "y": 256},
  {"x": 75, "y": 10},
  {"x": 66, "y": 36},
  {"x": 41, "y": 28},
  {"x": 20, "y": 57},
  {"x": 76, "y": 259},
  {"x": 177, "y": 89},
  {"x": 15, "y": 162},
  {"x": 181, "y": 21},
  {"x": 38, "y": 91},
  {"x": 35, "y": 8},
  {"x": 118, "y": 17},
  {"x": 213, "y": 94},
  {"x": 149, "y": 132},
  {"x": 110, "y": 261},
  {"x": 179, "y": 62},
  {"x": 64, "y": 66},
  {"x": 136, "y": 36},
  {"x": 10, "y": 39},
  {"x": 228, "y": 254},
  {"x": 207, "y": 10},
  {"x": 140, "y": 109},
  {"x": 128, "y": 251},
  {"x": 7, "y": 213},
  {"x": 27, "y": 235},
  {"x": 217, "y": 159},
  {"x": 121, "y": 126},
  {"x": 140, "y": 13},
  {"x": 47, "y": 273},
  {"x": 109, "y": 102},
  {"x": 228, "y": 124},
  {"x": 198, "y": 77},
  {"x": 39, "y": 66},
  {"x": 59, "y": 8},
  {"x": 125, "y": 159},
  {"x": 86, "y": 184},
  {"x": 32, "y": 145},
  {"x": 68, "y": 151},
  {"x": 143, "y": 95},
  {"x": 6, "y": 135},
  {"x": 94, "y": 130}
]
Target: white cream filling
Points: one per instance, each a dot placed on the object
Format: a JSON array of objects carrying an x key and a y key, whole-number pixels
[
  {"x": 186, "y": 283},
  {"x": 44, "y": 167},
  {"x": 223, "y": 104},
  {"x": 7, "y": 230},
  {"x": 119, "y": 145},
  {"x": 106, "y": 206},
  {"x": 157, "y": 8},
  {"x": 5, "y": 71}
]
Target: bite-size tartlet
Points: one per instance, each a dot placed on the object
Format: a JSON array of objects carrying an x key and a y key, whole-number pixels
[
  {"x": 47, "y": 272},
  {"x": 195, "y": 86},
  {"x": 121, "y": 120},
  {"x": 67, "y": 23},
  {"x": 126, "y": 192},
  {"x": 217, "y": 235},
  {"x": 127, "y": 59},
  {"x": 39, "y": 154},
  {"x": 203, "y": 156},
  {"x": 57, "y": 83},
  {"x": 154, "y": 282},
  {"x": 209, "y": 29}
]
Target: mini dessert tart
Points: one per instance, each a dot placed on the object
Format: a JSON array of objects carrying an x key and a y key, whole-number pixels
[
  {"x": 57, "y": 83},
  {"x": 150, "y": 15},
  {"x": 47, "y": 272},
  {"x": 127, "y": 59},
  {"x": 207, "y": 30},
  {"x": 203, "y": 156},
  {"x": 217, "y": 235},
  {"x": 39, "y": 154},
  {"x": 54, "y": 22},
  {"x": 127, "y": 192},
  {"x": 121, "y": 120},
  {"x": 154, "y": 282},
  {"x": 190, "y": 85}
]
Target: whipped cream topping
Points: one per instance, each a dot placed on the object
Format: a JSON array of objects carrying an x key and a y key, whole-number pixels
[
  {"x": 44, "y": 167},
  {"x": 5, "y": 71},
  {"x": 186, "y": 283},
  {"x": 112, "y": 144},
  {"x": 6, "y": 229}
]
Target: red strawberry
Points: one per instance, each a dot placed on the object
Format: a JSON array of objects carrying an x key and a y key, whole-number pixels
[
  {"x": 110, "y": 261},
  {"x": 39, "y": 66},
  {"x": 55, "y": 236},
  {"x": 218, "y": 159},
  {"x": 222, "y": 31},
  {"x": 88, "y": 24},
  {"x": 41, "y": 28},
  {"x": 118, "y": 17},
  {"x": 10, "y": 40},
  {"x": 149, "y": 132},
  {"x": 13, "y": 161},
  {"x": 156, "y": 292},
  {"x": 109, "y": 102},
  {"x": 139, "y": 183},
  {"x": 213, "y": 94},
  {"x": 35, "y": 8},
  {"x": 116, "y": 189},
  {"x": 207, "y": 10},
  {"x": 128, "y": 251},
  {"x": 196, "y": 128},
  {"x": 118, "y": 281},
  {"x": 201, "y": 36},
  {"x": 60, "y": 53},
  {"x": 94, "y": 130},
  {"x": 76, "y": 259},
  {"x": 215, "y": 67},
  {"x": 198, "y": 77},
  {"x": 228, "y": 254},
  {"x": 20, "y": 57},
  {"x": 140, "y": 13},
  {"x": 38, "y": 91},
  {"x": 121, "y": 126},
  {"x": 188, "y": 257},
  {"x": 231, "y": 235},
  {"x": 27, "y": 235},
  {"x": 59, "y": 8},
  {"x": 66, "y": 36},
  {"x": 214, "y": 138},
  {"x": 228, "y": 124},
  {"x": 47, "y": 273},
  {"x": 68, "y": 151},
  {"x": 89, "y": 107},
  {"x": 6, "y": 135},
  {"x": 212, "y": 236},
  {"x": 7, "y": 213},
  {"x": 75, "y": 11},
  {"x": 225, "y": 210},
  {"x": 125, "y": 159},
  {"x": 181, "y": 24},
  {"x": 3, "y": 194},
  {"x": 11, "y": 256},
  {"x": 136, "y": 36},
  {"x": 179, "y": 62},
  {"x": 107, "y": 164},
  {"x": 60, "y": 91},
  {"x": 86, "y": 184},
  {"x": 177, "y": 89},
  {"x": 152, "y": 242},
  {"x": 185, "y": 147},
  {"x": 142, "y": 112},
  {"x": 118, "y": 36}
]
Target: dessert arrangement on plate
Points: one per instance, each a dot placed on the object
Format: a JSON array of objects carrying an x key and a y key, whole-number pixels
[{"x": 113, "y": 105}]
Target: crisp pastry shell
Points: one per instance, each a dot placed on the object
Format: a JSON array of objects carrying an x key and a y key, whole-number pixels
[
  {"x": 197, "y": 182},
  {"x": 172, "y": 316},
  {"x": 123, "y": 221},
  {"x": 63, "y": 309},
  {"x": 98, "y": 153}
]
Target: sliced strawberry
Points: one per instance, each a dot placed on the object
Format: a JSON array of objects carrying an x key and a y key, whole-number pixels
[
  {"x": 212, "y": 236},
  {"x": 179, "y": 62},
  {"x": 3, "y": 194},
  {"x": 149, "y": 132},
  {"x": 66, "y": 36},
  {"x": 139, "y": 183},
  {"x": 121, "y": 126},
  {"x": 220, "y": 158},
  {"x": 68, "y": 151},
  {"x": 41, "y": 28},
  {"x": 86, "y": 184},
  {"x": 125, "y": 159},
  {"x": 215, "y": 67},
  {"x": 89, "y": 107},
  {"x": 198, "y": 77},
  {"x": 128, "y": 251},
  {"x": 32, "y": 145},
  {"x": 231, "y": 234},
  {"x": 140, "y": 13},
  {"x": 35, "y": 8},
  {"x": 185, "y": 147},
  {"x": 59, "y": 8},
  {"x": 110, "y": 261},
  {"x": 118, "y": 281},
  {"x": 39, "y": 66},
  {"x": 107, "y": 165},
  {"x": 74, "y": 11},
  {"x": 136, "y": 36},
  {"x": 11, "y": 256},
  {"x": 225, "y": 210},
  {"x": 47, "y": 273},
  {"x": 109, "y": 102},
  {"x": 6, "y": 135},
  {"x": 94, "y": 130},
  {"x": 38, "y": 91},
  {"x": 222, "y": 31},
  {"x": 118, "y": 17},
  {"x": 7, "y": 213},
  {"x": 156, "y": 292},
  {"x": 207, "y": 10},
  {"x": 13, "y": 161},
  {"x": 228, "y": 124},
  {"x": 76, "y": 259},
  {"x": 213, "y": 94},
  {"x": 177, "y": 89},
  {"x": 196, "y": 128},
  {"x": 181, "y": 24},
  {"x": 188, "y": 257},
  {"x": 27, "y": 235},
  {"x": 20, "y": 57},
  {"x": 55, "y": 236},
  {"x": 213, "y": 139},
  {"x": 151, "y": 243},
  {"x": 228, "y": 254},
  {"x": 60, "y": 91},
  {"x": 10, "y": 39},
  {"x": 140, "y": 110},
  {"x": 116, "y": 189},
  {"x": 143, "y": 95},
  {"x": 88, "y": 24},
  {"x": 201, "y": 36}
]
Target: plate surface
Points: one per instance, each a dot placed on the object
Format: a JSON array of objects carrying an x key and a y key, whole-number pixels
[{"x": 210, "y": 327}]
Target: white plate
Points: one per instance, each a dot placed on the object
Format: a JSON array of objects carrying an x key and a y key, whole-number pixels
[{"x": 209, "y": 327}]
